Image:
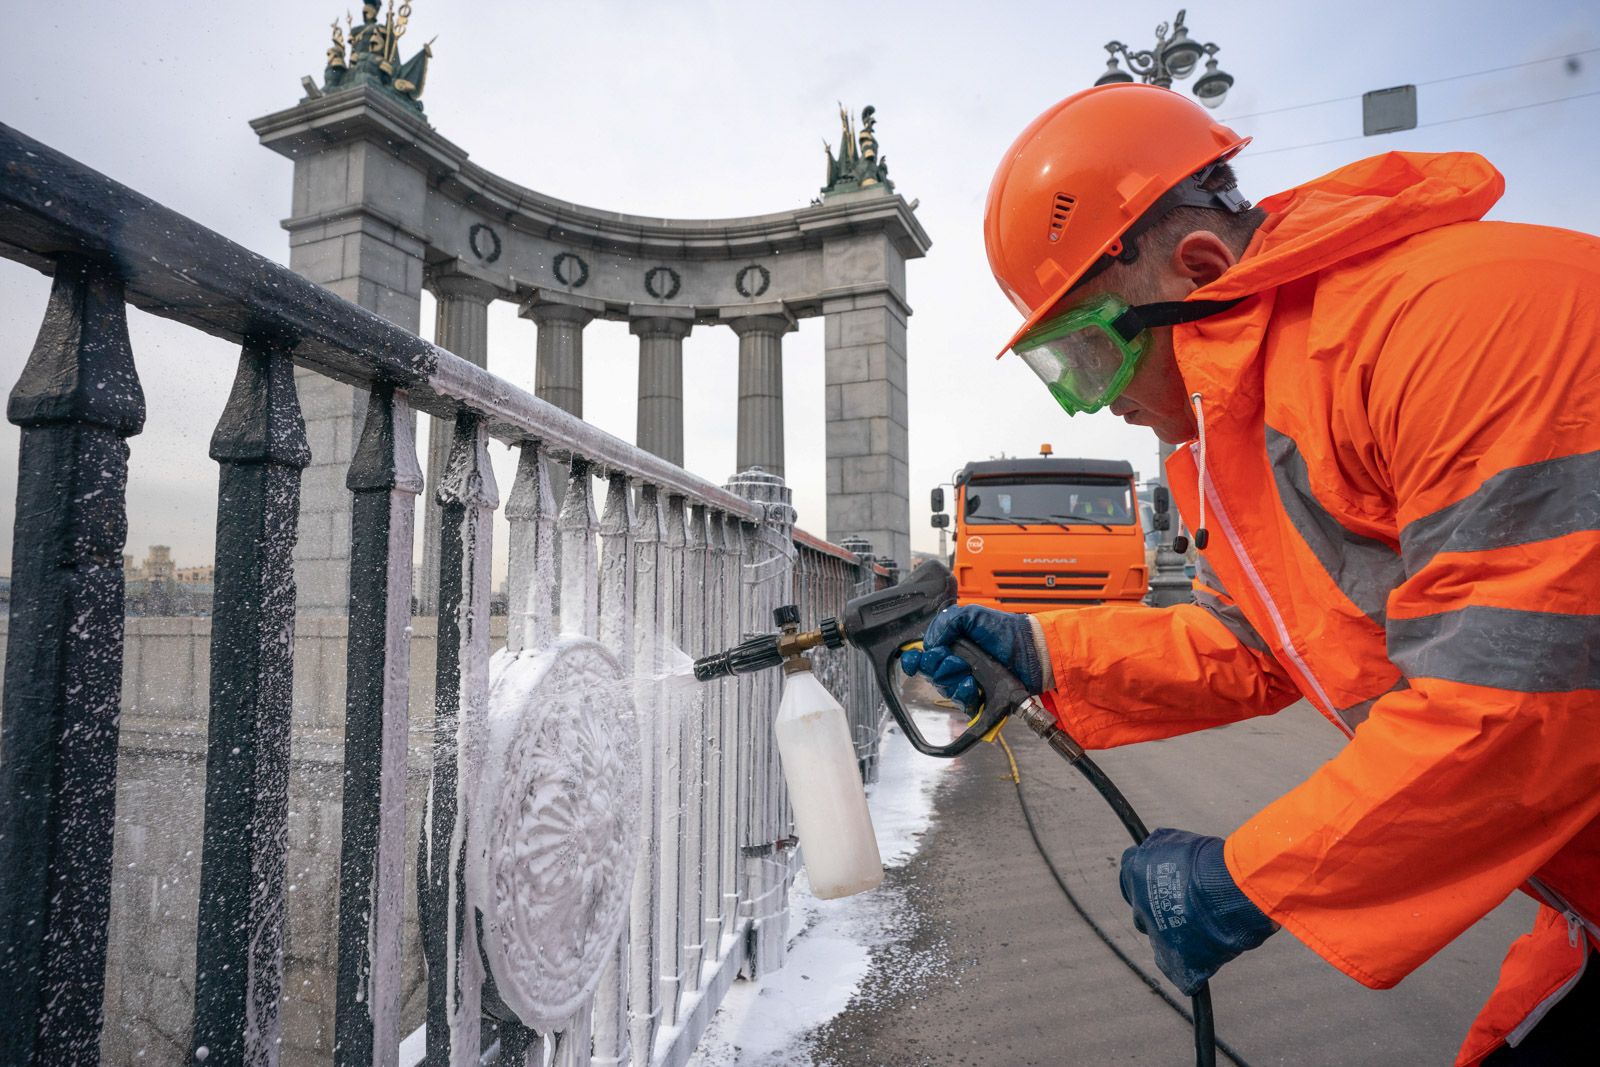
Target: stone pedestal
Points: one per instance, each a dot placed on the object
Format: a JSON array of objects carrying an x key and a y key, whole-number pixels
[
  {"x": 1170, "y": 584},
  {"x": 869, "y": 481},
  {"x": 461, "y": 324},
  {"x": 660, "y": 426},
  {"x": 760, "y": 429},
  {"x": 372, "y": 258}
]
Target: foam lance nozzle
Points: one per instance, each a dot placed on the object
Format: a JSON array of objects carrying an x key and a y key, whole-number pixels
[
  {"x": 769, "y": 650},
  {"x": 752, "y": 654}
]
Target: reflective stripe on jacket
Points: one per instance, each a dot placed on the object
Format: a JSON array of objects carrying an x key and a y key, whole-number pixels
[{"x": 1403, "y": 500}]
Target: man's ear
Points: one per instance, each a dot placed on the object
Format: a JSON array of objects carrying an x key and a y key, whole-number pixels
[{"x": 1201, "y": 257}]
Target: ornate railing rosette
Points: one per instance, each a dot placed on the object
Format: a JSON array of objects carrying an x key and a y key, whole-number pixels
[{"x": 557, "y": 834}]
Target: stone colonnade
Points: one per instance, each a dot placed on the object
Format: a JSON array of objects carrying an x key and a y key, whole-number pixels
[
  {"x": 384, "y": 206},
  {"x": 461, "y": 325}
]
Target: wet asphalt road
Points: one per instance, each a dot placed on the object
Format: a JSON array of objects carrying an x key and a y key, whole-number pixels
[{"x": 992, "y": 967}]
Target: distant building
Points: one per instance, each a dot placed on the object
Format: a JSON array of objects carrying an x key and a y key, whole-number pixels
[{"x": 159, "y": 587}]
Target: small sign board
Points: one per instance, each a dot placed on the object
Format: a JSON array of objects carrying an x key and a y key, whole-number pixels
[{"x": 1389, "y": 110}]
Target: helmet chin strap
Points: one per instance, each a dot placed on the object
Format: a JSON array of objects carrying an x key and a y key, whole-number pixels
[{"x": 1134, "y": 321}]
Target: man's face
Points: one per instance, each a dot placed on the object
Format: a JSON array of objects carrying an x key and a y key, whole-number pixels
[{"x": 1156, "y": 396}]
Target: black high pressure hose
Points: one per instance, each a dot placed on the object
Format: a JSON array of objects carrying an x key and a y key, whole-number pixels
[{"x": 1206, "y": 1043}]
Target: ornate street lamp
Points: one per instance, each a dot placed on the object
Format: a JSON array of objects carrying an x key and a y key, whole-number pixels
[{"x": 1174, "y": 57}]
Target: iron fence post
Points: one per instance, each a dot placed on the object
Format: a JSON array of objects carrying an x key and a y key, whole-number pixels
[{"x": 77, "y": 400}]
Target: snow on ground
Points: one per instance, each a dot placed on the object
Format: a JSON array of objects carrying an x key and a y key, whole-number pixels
[{"x": 830, "y": 941}]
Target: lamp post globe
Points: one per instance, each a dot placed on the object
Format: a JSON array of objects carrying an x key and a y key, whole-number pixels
[
  {"x": 1114, "y": 74},
  {"x": 1213, "y": 85},
  {"x": 1181, "y": 54}
]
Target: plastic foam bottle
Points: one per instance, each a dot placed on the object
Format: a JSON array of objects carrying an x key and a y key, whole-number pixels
[{"x": 825, "y": 789}]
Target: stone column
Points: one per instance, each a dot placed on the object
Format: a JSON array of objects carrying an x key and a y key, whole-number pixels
[
  {"x": 661, "y": 385},
  {"x": 558, "y": 374},
  {"x": 760, "y": 432},
  {"x": 869, "y": 482},
  {"x": 461, "y": 324}
]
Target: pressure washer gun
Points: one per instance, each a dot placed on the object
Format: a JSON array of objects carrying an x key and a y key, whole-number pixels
[{"x": 885, "y": 624}]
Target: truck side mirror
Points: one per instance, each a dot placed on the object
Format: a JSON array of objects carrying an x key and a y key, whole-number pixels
[
  {"x": 936, "y": 499},
  {"x": 940, "y": 520},
  {"x": 1162, "y": 521}
]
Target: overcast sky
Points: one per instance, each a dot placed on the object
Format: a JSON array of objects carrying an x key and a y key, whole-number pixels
[{"x": 720, "y": 109}]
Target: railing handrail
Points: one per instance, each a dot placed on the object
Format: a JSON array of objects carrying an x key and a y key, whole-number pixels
[
  {"x": 828, "y": 548},
  {"x": 515, "y": 415},
  {"x": 174, "y": 267}
]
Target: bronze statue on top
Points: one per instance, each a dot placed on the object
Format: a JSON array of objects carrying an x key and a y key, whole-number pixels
[
  {"x": 858, "y": 165},
  {"x": 374, "y": 55}
]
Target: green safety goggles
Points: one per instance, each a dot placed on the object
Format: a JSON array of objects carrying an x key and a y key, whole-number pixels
[{"x": 1089, "y": 353}]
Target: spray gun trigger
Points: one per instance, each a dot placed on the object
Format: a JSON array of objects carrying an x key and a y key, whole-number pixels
[{"x": 993, "y": 733}]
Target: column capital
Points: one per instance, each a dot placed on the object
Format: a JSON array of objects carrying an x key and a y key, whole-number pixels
[
  {"x": 674, "y": 329},
  {"x": 444, "y": 281},
  {"x": 545, "y": 305},
  {"x": 773, "y": 324}
]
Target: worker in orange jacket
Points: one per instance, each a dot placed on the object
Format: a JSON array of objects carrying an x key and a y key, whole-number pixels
[{"x": 1388, "y": 420}]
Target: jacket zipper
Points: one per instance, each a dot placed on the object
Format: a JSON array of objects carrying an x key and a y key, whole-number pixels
[
  {"x": 1577, "y": 925},
  {"x": 1540, "y": 1010},
  {"x": 1575, "y": 920},
  {"x": 1256, "y": 581}
]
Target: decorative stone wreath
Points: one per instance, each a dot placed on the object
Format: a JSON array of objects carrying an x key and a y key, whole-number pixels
[
  {"x": 761, "y": 276},
  {"x": 563, "y": 266},
  {"x": 653, "y": 282},
  {"x": 481, "y": 231}
]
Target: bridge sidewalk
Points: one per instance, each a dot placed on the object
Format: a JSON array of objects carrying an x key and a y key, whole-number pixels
[{"x": 992, "y": 966}]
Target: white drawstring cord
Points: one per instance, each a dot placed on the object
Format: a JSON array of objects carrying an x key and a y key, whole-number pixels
[{"x": 1201, "y": 536}]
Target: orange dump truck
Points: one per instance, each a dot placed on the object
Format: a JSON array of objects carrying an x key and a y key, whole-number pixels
[{"x": 1046, "y": 533}]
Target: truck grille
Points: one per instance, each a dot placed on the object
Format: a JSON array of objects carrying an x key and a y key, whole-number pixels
[
  {"x": 1060, "y": 576},
  {"x": 1050, "y": 584}
]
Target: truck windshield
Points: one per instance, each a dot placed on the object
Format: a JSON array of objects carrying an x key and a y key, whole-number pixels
[{"x": 1107, "y": 501}]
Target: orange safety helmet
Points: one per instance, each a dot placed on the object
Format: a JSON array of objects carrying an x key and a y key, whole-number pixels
[{"x": 1080, "y": 175}]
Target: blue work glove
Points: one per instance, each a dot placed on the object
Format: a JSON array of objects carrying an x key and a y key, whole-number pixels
[
  {"x": 1186, "y": 902},
  {"x": 1008, "y": 638}
]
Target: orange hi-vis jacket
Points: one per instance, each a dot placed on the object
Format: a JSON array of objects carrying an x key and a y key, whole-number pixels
[{"x": 1402, "y": 490}]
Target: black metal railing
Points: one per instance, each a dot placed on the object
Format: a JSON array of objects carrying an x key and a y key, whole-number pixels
[{"x": 669, "y": 557}]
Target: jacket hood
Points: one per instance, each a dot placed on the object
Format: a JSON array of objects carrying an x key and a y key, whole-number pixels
[
  {"x": 1358, "y": 208},
  {"x": 1355, "y": 209}
]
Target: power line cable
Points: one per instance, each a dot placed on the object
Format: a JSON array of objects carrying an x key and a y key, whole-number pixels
[
  {"x": 1425, "y": 125},
  {"x": 1509, "y": 66},
  {"x": 1430, "y": 81}
]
